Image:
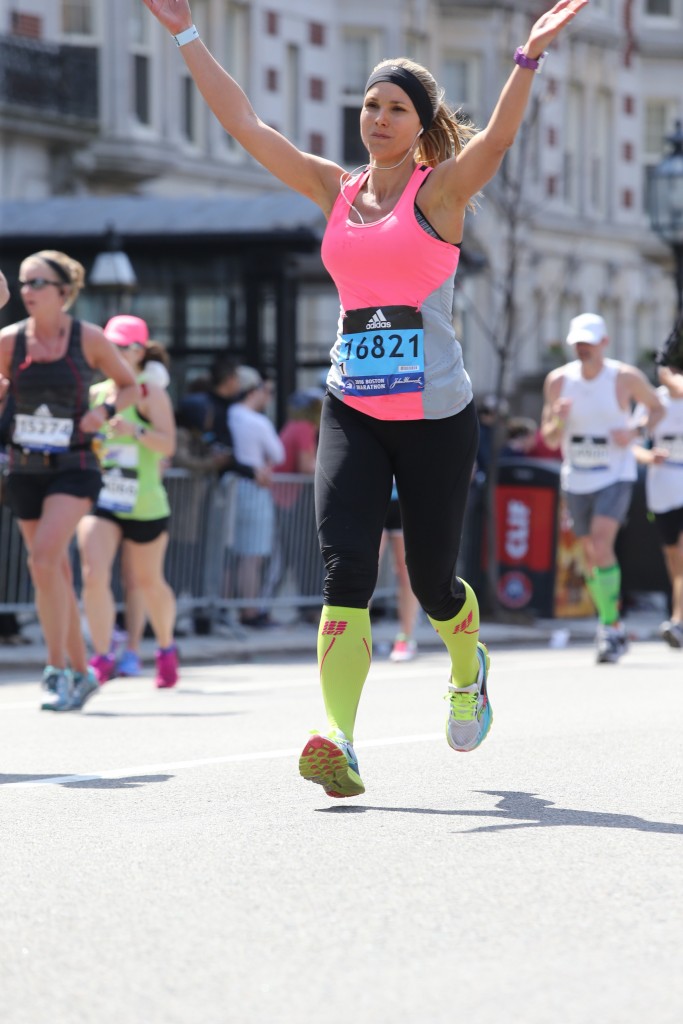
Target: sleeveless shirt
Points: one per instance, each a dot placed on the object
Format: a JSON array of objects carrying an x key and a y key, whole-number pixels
[
  {"x": 591, "y": 460},
  {"x": 132, "y": 487},
  {"x": 392, "y": 272},
  {"x": 50, "y": 400},
  {"x": 664, "y": 482}
]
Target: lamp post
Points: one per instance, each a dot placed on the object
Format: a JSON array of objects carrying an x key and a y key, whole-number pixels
[
  {"x": 112, "y": 274},
  {"x": 665, "y": 203}
]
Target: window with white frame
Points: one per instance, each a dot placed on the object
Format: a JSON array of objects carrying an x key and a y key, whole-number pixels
[
  {"x": 191, "y": 105},
  {"x": 660, "y": 118},
  {"x": 237, "y": 52},
  {"x": 601, "y": 150},
  {"x": 359, "y": 57},
  {"x": 571, "y": 166},
  {"x": 78, "y": 17},
  {"x": 293, "y": 92},
  {"x": 139, "y": 24},
  {"x": 659, "y": 8},
  {"x": 460, "y": 80}
]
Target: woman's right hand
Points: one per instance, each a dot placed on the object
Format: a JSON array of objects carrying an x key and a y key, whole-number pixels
[{"x": 175, "y": 15}]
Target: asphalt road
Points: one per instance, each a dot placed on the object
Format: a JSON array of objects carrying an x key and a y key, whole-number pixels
[{"x": 162, "y": 862}]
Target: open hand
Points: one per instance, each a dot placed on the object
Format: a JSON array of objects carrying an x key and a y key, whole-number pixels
[
  {"x": 549, "y": 25},
  {"x": 175, "y": 15}
]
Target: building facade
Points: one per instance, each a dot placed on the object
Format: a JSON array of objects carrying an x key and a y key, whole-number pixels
[{"x": 96, "y": 104}]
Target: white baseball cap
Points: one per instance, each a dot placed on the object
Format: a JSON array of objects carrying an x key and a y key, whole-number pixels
[{"x": 588, "y": 327}]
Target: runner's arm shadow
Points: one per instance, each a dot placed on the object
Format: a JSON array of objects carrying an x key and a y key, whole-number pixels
[{"x": 515, "y": 810}]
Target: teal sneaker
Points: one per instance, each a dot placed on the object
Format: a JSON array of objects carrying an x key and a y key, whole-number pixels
[
  {"x": 58, "y": 686},
  {"x": 331, "y": 762},
  {"x": 84, "y": 686},
  {"x": 470, "y": 715}
]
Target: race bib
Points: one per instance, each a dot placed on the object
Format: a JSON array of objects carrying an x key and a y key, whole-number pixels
[
  {"x": 120, "y": 484},
  {"x": 674, "y": 445},
  {"x": 589, "y": 453},
  {"x": 42, "y": 433},
  {"x": 119, "y": 491},
  {"x": 381, "y": 351}
]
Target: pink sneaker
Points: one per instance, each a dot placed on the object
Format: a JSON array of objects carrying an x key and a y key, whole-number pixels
[
  {"x": 167, "y": 667},
  {"x": 104, "y": 667}
]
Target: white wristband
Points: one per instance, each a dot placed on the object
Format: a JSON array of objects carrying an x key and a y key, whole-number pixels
[{"x": 186, "y": 36}]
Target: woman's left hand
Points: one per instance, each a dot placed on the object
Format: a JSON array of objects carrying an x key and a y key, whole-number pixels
[
  {"x": 121, "y": 428},
  {"x": 550, "y": 24}
]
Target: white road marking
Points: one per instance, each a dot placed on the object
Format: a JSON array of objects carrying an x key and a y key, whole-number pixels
[{"x": 151, "y": 769}]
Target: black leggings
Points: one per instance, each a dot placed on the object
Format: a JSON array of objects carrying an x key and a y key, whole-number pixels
[{"x": 432, "y": 462}]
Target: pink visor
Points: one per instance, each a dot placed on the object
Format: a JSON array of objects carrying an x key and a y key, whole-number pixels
[{"x": 127, "y": 330}]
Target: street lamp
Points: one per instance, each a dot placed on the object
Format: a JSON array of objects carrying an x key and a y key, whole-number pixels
[
  {"x": 666, "y": 205},
  {"x": 112, "y": 272}
]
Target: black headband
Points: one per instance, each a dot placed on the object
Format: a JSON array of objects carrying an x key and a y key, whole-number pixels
[
  {"x": 58, "y": 269},
  {"x": 411, "y": 85}
]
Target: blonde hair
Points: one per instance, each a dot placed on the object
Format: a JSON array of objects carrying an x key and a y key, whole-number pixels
[
  {"x": 73, "y": 271},
  {"x": 449, "y": 131}
]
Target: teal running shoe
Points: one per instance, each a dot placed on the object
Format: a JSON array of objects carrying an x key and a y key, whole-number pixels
[
  {"x": 58, "y": 686},
  {"x": 330, "y": 761},
  {"x": 470, "y": 715},
  {"x": 85, "y": 685}
]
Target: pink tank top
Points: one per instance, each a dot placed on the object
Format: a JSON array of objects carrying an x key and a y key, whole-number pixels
[{"x": 385, "y": 272}]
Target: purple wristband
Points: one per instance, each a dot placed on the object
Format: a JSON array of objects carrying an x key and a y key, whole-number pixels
[{"x": 528, "y": 62}]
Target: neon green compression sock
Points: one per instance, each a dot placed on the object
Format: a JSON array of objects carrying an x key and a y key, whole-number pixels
[
  {"x": 604, "y": 586},
  {"x": 344, "y": 656},
  {"x": 460, "y": 635}
]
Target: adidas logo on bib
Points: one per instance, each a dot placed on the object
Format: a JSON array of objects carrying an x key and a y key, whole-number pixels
[{"x": 377, "y": 322}]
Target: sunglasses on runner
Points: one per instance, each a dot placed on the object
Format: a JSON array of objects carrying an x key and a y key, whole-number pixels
[{"x": 36, "y": 284}]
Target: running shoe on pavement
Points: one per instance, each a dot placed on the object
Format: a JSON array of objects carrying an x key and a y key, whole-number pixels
[
  {"x": 58, "y": 686},
  {"x": 404, "y": 649},
  {"x": 330, "y": 761},
  {"x": 470, "y": 714},
  {"x": 85, "y": 685},
  {"x": 612, "y": 642},
  {"x": 672, "y": 632},
  {"x": 167, "y": 667},
  {"x": 103, "y": 666},
  {"x": 129, "y": 664}
]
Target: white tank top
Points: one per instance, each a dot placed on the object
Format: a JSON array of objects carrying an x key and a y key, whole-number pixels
[
  {"x": 591, "y": 461},
  {"x": 664, "y": 483}
]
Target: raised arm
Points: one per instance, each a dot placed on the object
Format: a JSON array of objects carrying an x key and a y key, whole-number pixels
[
  {"x": 466, "y": 174},
  {"x": 311, "y": 175}
]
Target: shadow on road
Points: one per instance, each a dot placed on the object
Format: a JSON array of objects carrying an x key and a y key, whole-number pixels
[{"x": 517, "y": 810}]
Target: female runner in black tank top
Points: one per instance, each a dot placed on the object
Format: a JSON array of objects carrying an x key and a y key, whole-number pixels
[{"x": 48, "y": 361}]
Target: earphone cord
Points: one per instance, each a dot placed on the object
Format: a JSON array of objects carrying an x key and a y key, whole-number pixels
[{"x": 345, "y": 176}]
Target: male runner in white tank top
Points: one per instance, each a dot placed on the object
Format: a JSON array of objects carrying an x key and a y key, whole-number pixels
[{"x": 587, "y": 412}]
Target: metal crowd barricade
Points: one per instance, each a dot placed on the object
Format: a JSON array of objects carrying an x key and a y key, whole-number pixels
[{"x": 216, "y": 527}]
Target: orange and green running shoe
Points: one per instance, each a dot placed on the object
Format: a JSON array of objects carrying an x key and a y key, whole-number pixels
[{"x": 330, "y": 761}]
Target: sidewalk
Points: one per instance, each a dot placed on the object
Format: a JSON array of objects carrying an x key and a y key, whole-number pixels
[{"x": 243, "y": 644}]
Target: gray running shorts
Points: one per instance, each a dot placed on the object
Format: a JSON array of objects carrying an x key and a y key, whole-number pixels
[{"x": 613, "y": 501}]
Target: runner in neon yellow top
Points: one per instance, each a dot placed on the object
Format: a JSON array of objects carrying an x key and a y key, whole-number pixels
[{"x": 132, "y": 512}]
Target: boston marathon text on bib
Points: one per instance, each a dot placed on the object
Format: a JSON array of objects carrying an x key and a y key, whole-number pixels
[
  {"x": 120, "y": 484},
  {"x": 589, "y": 453},
  {"x": 42, "y": 432},
  {"x": 381, "y": 352}
]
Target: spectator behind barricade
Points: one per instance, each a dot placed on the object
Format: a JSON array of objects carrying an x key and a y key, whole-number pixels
[
  {"x": 256, "y": 444},
  {"x": 525, "y": 440},
  {"x": 199, "y": 454},
  {"x": 295, "y": 504},
  {"x": 222, "y": 392}
]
